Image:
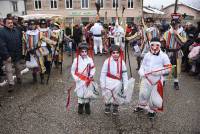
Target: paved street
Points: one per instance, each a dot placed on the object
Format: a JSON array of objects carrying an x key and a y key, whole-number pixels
[{"x": 40, "y": 109}]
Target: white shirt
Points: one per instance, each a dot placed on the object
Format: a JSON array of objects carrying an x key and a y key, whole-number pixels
[{"x": 96, "y": 29}]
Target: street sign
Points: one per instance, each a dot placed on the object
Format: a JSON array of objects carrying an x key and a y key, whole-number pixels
[{"x": 82, "y": 13}]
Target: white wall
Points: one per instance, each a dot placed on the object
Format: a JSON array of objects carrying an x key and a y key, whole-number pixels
[{"x": 6, "y": 7}]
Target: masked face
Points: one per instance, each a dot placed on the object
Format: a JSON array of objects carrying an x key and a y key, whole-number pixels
[
  {"x": 32, "y": 26},
  {"x": 115, "y": 55},
  {"x": 43, "y": 26},
  {"x": 155, "y": 48},
  {"x": 83, "y": 53}
]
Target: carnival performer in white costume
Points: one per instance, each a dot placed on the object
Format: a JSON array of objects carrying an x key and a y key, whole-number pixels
[
  {"x": 96, "y": 31},
  {"x": 149, "y": 31},
  {"x": 154, "y": 65},
  {"x": 83, "y": 71},
  {"x": 119, "y": 35},
  {"x": 113, "y": 78},
  {"x": 57, "y": 35}
]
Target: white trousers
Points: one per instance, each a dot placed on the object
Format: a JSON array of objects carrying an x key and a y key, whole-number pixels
[
  {"x": 149, "y": 98},
  {"x": 98, "y": 44},
  {"x": 118, "y": 42}
]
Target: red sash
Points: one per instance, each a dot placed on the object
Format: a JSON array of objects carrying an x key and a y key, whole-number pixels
[
  {"x": 160, "y": 91},
  {"x": 119, "y": 70},
  {"x": 81, "y": 75}
]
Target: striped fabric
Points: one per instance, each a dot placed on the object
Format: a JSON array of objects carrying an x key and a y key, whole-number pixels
[
  {"x": 171, "y": 41},
  {"x": 154, "y": 33},
  {"x": 32, "y": 38}
]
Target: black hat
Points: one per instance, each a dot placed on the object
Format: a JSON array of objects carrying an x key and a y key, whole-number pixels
[
  {"x": 43, "y": 21},
  {"x": 114, "y": 48},
  {"x": 56, "y": 24},
  {"x": 175, "y": 21},
  {"x": 148, "y": 20},
  {"x": 31, "y": 22},
  {"x": 155, "y": 40},
  {"x": 83, "y": 46}
]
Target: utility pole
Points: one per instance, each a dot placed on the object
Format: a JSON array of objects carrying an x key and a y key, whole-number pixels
[
  {"x": 25, "y": 7},
  {"x": 175, "y": 6}
]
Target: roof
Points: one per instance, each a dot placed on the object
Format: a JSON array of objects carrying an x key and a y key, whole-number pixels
[
  {"x": 151, "y": 10},
  {"x": 184, "y": 4}
]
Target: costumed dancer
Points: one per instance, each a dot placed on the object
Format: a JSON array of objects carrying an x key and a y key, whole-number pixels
[
  {"x": 113, "y": 76},
  {"x": 46, "y": 44},
  {"x": 89, "y": 40},
  {"x": 119, "y": 35},
  {"x": 175, "y": 37},
  {"x": 58, "y": 36},
  {"x": 96, "y": 31},
  {"x": 105, "y": 39},
  {"x": 83, "y": 71},
  {"x": 34, "y": 58},
  {"x": 111, "y": 34},
  {"x": 149, "y": 32},
  {"x": 134, "y": 37},
  {"x": 154, "y": 65}
]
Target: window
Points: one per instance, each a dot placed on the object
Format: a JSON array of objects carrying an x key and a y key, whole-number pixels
[
  {"x": 38, "y": 4},
  {"x": 68, "y": 3},
  {"x": 14, "y": 4},
  {"x": 85, "y": 20},
  {"x": 54, "y": 4},
  {"x": 101, "y": 2},
  {"x": 84, "y": 3},
  {"x": 113, "y": 19},
  {"x": 102, "y": 19},
  {"x": 129, "y": 20},
  {"x": 130, "y": 3},
  {"x": 115, "y": 3}
]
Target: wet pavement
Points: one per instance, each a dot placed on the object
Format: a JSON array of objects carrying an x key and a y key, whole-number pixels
[{"x": 41, "y": 109}]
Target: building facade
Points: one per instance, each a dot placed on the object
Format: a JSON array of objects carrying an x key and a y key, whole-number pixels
[
  {"x": 15, "y": 7},
  {"x": 191, "y": 13},
  {"x": 85, "y": 10}
]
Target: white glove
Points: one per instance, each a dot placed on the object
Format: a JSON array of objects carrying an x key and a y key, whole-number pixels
[{"x": 141, "y": 73}]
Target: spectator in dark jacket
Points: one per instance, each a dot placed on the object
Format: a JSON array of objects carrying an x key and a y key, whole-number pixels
[
  {"x": 11, "y": 44},
  {"x": 77, "y": 36}
]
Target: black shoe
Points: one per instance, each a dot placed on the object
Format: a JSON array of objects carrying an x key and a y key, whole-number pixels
[
  {"x": 87, "y": 108},
  {"x": 176, "y": 85},
  {"x": 41, "y": 78},
  {"x": 107, "y": 108},
  {"x": 151, "y": 115},
  {"x": 138, "y": 109},
  {"x": 19, "y": 81},
  {"x": 80, "y": 108},
  {"x": 10, "y": 88},
  {"x": 115, "y": 109},
  {"x": 163, "y": 83},
  {"x": 34, "y": 78}
]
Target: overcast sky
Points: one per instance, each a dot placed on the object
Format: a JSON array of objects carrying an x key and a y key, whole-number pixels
[{"x": 159, "y": 3}]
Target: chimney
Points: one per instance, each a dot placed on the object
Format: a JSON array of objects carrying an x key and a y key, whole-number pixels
[{"x": 162, "y": 7}]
